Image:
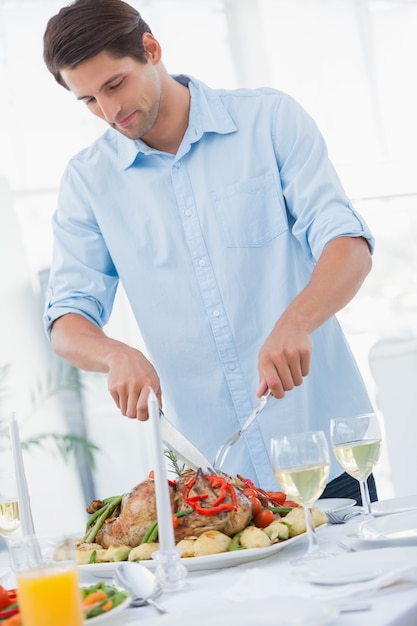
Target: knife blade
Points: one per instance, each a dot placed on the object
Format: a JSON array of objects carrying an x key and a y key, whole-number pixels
[{"x": 182, "y": 447}]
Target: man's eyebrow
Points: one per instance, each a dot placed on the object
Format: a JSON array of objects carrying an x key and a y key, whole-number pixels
[{"x": 103, "y": 86}]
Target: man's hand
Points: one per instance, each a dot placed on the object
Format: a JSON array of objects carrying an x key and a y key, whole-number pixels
[
  {"x": 129, "y": 373},
  {"x": 284, "y": 359},
  {"x": 129, "y": 378}
]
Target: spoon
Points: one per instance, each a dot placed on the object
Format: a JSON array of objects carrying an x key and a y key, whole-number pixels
[{"x": 141, "y": 582}]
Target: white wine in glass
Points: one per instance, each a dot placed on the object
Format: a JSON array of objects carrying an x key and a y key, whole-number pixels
[
  {"x": 356, "y": 443},
  {"x": 301, "y": 465},
  {"x": 9, "y": 508},
  {"x": 9, "y": 517}
]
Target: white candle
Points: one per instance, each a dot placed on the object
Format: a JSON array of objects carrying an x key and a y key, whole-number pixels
[
  {"x": 163, "y": 503},
  {"x": 22, "y": 488}
]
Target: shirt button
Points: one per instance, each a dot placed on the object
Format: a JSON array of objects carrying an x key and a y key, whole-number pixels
[
  {"x": 216, "y": 312},
  {"x": 188, "y": 212},
  {"x": 201, "y": 262},
  {"x": 177, "y": 164},
  {"x": 231, "y": 366}
]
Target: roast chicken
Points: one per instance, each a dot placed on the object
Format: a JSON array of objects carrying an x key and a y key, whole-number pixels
[{"x": 223, "y": 509}]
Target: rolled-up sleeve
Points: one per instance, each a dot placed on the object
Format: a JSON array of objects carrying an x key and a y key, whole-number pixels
[
  {"x": 83, "y": 278},
  {"x": 312, "y": 189}
]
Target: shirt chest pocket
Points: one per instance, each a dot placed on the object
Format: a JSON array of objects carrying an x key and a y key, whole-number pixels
[{"x": 250, "y": 212}]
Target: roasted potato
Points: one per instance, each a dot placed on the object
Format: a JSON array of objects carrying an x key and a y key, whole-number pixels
[
  {"x": 90, "y": 553},
  {"x": 186, "y": 547},
  {"x": 117, "y": 553},
  {"x": 296, "y": 520},
  {"x": 211, "y": 542},
  {"x": 143, "y": 552},
  {"x": 254, "y": 537},
  {"x": 277, "y": 531}
]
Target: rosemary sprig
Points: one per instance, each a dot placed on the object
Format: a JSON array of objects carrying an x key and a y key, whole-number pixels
[{"x": 177, "y": 467}]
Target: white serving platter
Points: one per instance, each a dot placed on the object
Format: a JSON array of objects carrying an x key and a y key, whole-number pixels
[{"x": 196, "y": 563}]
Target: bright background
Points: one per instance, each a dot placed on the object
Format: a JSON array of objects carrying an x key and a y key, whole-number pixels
[{"x": 351, "y": 64}]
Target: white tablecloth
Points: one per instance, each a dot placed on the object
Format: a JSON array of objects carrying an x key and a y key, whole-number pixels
[{"x": 207, "y": 590}]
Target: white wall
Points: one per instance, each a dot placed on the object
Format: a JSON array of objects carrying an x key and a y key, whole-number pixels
[
  {"x": 393, "y": 363},
  {"x": 54, "y": 486}
]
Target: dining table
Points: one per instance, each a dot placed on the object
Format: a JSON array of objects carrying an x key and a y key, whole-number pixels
[{"x": 261, "y": 592}]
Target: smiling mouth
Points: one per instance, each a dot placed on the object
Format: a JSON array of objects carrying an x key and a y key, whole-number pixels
[{"x": 126, "y": 121}]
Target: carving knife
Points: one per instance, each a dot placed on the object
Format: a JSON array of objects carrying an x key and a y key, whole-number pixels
[{"x": 182, "y": 447}]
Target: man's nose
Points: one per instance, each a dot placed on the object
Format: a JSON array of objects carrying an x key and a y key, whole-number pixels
[{"x": 109, "y": 108}]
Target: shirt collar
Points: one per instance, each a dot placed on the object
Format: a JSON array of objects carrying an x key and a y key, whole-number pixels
[{"x": 207, "y": 115}]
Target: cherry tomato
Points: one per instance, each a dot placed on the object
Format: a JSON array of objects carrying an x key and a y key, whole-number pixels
[
  {"x": 256, "y": 505},
  {"x": 276, "y": 497},
  {"x": 263, "y": 518},
  {"x": 4, "y": 598},
  {"x": 250, "y": 493},
  {"x": 175, "y": 521},
  {"x": 290, "y": 503}
]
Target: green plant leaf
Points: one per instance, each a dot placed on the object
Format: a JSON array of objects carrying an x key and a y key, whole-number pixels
[
  {"x": 62, "y": 378},
  {"x": 65, "y": 444}
]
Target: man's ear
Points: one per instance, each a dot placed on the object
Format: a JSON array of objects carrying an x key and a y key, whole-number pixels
[{"x": 152, "y": 48}]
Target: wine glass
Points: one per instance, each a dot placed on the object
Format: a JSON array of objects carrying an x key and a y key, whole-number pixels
[
  {"x": 301, "y": 463},
  {"x": 9, "y": 507},
  {"x": 356, "y": 443},
  {"x": 9, "y": 516}
]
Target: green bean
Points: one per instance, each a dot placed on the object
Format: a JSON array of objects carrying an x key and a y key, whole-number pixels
[
  {"x": 283, "y": 510},
  {"x": 99, "y": 511},
  {"x": 150, "y": 533},
  {"x": 106, "y": 512},
  {"x": 235, "y": 543}
]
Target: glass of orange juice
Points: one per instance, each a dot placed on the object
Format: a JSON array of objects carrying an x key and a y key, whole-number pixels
[{"x": 47, "y": 580}]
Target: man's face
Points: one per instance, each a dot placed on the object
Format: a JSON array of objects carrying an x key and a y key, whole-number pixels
[{"x": 122, "y": 91}]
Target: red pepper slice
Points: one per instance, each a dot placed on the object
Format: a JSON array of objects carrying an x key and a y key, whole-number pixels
[
  {"x": 203, "y": 496},
  {"x": 218, "y": 505},
  {"x": 214, "y": 510}
]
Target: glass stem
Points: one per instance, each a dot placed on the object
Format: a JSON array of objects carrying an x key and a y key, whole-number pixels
[
  {"x": 311, "y": 530},
  {"x": 366, "y": 501}
]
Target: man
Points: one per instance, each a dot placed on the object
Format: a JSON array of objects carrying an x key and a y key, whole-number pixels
[{"x": 226, "y": 223}]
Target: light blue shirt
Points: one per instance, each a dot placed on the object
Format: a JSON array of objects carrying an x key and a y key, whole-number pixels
[{"x": 211, "y": 245}]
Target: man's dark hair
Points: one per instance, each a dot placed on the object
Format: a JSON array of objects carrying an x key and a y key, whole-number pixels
[{"x": 85, "y": 28}]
